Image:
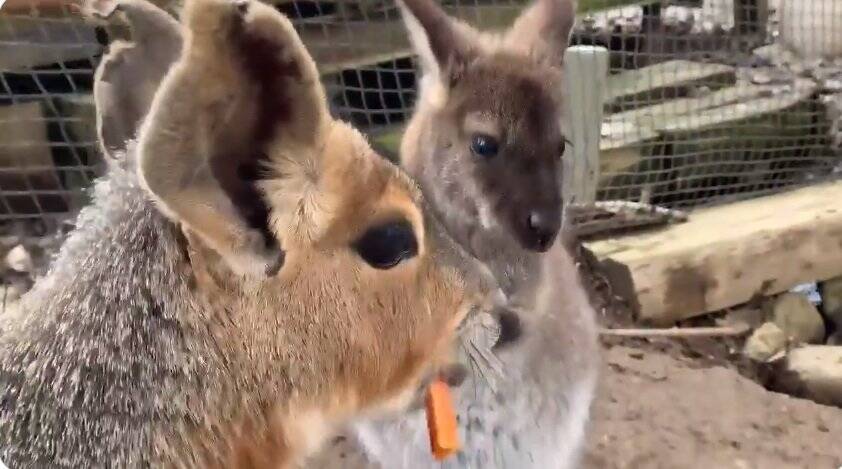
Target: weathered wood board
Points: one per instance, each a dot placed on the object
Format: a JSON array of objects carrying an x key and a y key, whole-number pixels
[
  {"x": 666, "y": 80},
  {"x": 79, "y": 120},
  {"x": 79, "y": 114},
  {"x": 26, "y": 162},
  {"x": 727, "y": 255},
  {"x": 338, "y": 46},
  {"x": 27, "y": 42},
  {"x": 738, "y": 128}
]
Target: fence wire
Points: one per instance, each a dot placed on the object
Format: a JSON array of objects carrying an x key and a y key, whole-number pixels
[{"x": 708, "y": 102}]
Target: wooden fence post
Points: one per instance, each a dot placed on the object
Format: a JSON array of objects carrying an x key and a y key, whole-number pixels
[{"x": 586, "y": 77}]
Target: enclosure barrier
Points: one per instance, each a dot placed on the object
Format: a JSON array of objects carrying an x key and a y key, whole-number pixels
[{"x": 681, "y": 104}]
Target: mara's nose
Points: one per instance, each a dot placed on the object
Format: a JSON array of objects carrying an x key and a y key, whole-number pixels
[{"x": 543, "y": 227}]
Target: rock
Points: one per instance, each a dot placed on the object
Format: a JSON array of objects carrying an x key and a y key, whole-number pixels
[
  {"x": 18, "y": 259},
  {"x": 835, "y": 338},
  {"x": 814, "y": 372},
  {"x": 761, "y": 78},
  {"x": 766, "y": 341},
  {"x": 798, "y": 318},
  {"x": 831, "y": 291}
]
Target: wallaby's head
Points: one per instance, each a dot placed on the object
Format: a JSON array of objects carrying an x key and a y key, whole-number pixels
[
  {"x": 485, "y": 141},
  {"x": 322, "y": 251}
]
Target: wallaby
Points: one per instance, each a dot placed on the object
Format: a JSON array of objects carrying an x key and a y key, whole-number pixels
[
  {"x": 153, "y": 343},
  {"x": 485, "y": 143}
]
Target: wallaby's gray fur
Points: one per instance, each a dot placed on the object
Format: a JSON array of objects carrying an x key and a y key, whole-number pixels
[
  {"x": 142, "y": 348},
  {"x": 502, "y": 202}
]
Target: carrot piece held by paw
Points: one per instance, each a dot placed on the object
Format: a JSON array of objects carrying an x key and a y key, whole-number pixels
[{"x": 441, "y": 420}]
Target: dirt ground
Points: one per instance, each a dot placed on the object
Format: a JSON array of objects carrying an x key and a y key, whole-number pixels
[
  {"x": 697, "y": 403},
  {"x": 659, "y": 409}
]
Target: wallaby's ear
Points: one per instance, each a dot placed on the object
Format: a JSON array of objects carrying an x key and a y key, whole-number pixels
[
  {"x": 128, "y": 76},
  {"x": 542, "y": 31},
  {"x": 443, "y": 44},
  {"x": 244, "y": 90}
]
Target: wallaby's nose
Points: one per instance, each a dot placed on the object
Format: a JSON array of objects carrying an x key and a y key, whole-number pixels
[{"x": 543, "y": 226}]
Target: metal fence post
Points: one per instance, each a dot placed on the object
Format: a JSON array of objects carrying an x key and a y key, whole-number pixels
[{"x": 585, "y": 82}]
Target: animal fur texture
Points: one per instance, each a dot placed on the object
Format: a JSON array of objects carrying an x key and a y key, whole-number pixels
[
  {"x": 126, "y": 80},
  {"x": 143, "y": 347},
  {"x": 506, "y": 88}
]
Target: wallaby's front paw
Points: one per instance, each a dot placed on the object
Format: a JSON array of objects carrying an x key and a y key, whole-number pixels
[{"x": 511, "y": 326}]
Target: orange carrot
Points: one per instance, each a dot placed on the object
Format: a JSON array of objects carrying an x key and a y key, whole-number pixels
[{"x": 441, "y": 420}]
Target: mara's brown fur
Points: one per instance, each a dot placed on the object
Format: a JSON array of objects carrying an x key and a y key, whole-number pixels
[
  {"x": 250, "y": 276},
  {"x": 126, "y": 81},
  {"x": 485, "y": 144}
]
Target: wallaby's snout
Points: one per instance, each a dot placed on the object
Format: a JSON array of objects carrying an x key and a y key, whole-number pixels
[
  {"x": 541, "y": 227},
  {"x": 525, "y": 195}
]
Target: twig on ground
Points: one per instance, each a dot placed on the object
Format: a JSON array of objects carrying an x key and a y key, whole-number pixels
[{"x": 724, "y": 331}]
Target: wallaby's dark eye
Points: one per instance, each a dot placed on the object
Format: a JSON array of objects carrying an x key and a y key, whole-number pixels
[
  {"x": 385, "y": 246},
  {"x": 562, "y": 147},
  {"x": 484, "y": 146}
]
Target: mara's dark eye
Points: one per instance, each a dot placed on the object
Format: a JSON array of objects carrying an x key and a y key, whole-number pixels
[
  {"x": 484, "y": 146},
  {"x": 385, "y": 246}
]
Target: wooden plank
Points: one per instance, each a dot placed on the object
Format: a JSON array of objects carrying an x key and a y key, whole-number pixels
[
  {"x": 725, "y": 256},
  {"x": 614, "y": 161},
  {"x": 26, "y": 162},
  {"x": 727, "y": 115},
  {"x": 338, "y": 46},
  {"x": 79, "y": 116},
  {"x": 79, "y": 112},
  {"x": 723, "y": 127},
  {"x": 341, "y": 46},
  {"x": 43, "y": 7},
  {"x": 663, "y": 81},
  {"x": 28, "y": 42},
  {"x": 625, "y": 135},
  {"x": 740, "y": 92},
  {"x": 586, "y": 70}
]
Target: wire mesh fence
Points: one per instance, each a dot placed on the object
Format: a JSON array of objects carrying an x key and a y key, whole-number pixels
[
  {"x": 46, "y": 122},
  {"x": 708, "y": 101}
]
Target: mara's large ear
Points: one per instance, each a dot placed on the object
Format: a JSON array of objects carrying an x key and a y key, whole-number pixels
[
  {"x": 129, "y": 74},
  {"x": 443, "y": 43},
  {"x": 243, "y": 91},
  {"x": 542, "y": 31}
]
